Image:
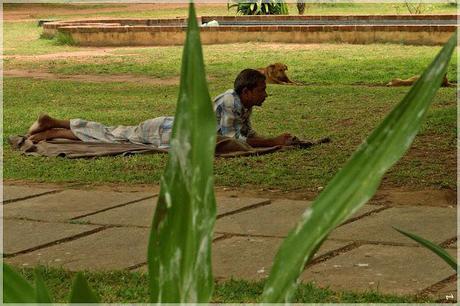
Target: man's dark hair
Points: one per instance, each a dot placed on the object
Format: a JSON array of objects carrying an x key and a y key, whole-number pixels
[{"x": 248, "y": 78}]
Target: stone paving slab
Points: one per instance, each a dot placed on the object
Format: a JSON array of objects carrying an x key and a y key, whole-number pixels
[
  {"x": 21, "y": 235},
  {"x": 68, "y": 204},
  {"x": 436, "y": 224},
  {"x": 141, "y": 213},
  {"x": 230, "y": 204},
  {"x": 276, "y": 219},
  {"x": 389, "y": 270},
  {"x": 135, "y": 214},
  {"x": 11, "y": 193},
  {"x": 251, "y": 258},
  {"x": 110, "y": 249}
]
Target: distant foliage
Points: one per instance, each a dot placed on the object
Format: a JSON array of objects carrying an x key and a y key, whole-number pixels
[
  {"x": 259, "y": 7},
  {"x": 63, "y": 39},
  {"x": 301, "y": 5},
  {"x": 417, "y": 8}
]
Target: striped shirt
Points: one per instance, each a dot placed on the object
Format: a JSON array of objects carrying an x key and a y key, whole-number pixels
[{"x": 233, "y": 119}]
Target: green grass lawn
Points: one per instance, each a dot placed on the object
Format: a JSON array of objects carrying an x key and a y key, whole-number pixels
[
  {"x": 23, "y": 38},
  {"x": 340, "y": 100},
  {"x": 132, "y": 287},
  {"x": 322, "y": 64},
  {"x": 346, "y": 113}
]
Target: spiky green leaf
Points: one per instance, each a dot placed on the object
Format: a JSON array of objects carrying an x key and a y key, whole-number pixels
[
  {"x": 357, "y": 181},
  {"x": 15, "y": 288},
  {"x": 432, "y": 247},
  {"x": 41, "y": 292},
  {"x": 81, "y": 293},
  {"x": 179, "y": 253},
  {"x": 284, "y": 8}
]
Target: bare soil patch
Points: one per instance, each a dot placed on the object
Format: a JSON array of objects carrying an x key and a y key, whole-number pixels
[
  {"x": 40, "y": 75},
  {"x": 32, "y": 11},
  {"x": 72, "y": 54},
  {"x": 428, "y": 197},
  {"x": 269, "y": 46},
  {"x": 296, "y": 47},
  {"x": 390, "y": 196},
  {"x": 346, "y": 122}
]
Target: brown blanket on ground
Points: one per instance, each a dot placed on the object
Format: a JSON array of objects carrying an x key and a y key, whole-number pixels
[{"x": 225, "y": 147}]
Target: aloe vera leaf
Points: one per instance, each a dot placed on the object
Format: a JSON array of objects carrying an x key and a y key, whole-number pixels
[
  {"x": 80, "y": 292},
  {"x": 15, "y": 288},
  {"x": 432, "y": 247},
  {"x": 179, "y": 252},
  {"x": 357, "y": 181}
]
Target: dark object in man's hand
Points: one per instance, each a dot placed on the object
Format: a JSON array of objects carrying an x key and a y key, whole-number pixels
[{"x": 296, "y": 142}]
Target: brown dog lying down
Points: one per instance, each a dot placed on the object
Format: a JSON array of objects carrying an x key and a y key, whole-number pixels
[
  {"x": 410, "y": 81},
  {"x": 276, "y": 74}
]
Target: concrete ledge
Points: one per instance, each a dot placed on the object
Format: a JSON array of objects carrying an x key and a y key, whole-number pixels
[
  {"x": 331, "y": 17},
  {"x": 145, "y": 37},
  {"x": 157, "y": 32}
]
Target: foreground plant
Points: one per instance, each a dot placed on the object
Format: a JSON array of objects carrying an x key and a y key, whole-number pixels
[
  {"x": 179, "y": 253},
  {"x": 432, "y": 247},
  {"x": 17, "y": 290},
  {"x": 357, "y": 181}
]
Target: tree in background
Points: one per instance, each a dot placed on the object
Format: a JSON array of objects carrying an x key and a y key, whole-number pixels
[{"x": 301, "y": 5}]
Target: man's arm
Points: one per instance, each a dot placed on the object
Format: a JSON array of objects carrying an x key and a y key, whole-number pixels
[{"x": 281, "y": 140}]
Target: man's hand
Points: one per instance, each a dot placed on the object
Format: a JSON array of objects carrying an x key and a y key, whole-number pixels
[
  {"x": 284, "y": 139},
  {"x": 281, "y": 140}
]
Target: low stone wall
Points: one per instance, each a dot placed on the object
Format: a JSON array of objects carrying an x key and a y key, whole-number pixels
[
  {"x": 148, "y": 32},
  {"x": 265, "y": 18},
  {"x": 50, "y": 28}
]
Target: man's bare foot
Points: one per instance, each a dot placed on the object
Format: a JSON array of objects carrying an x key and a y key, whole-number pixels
[
  {"x": 52, "y": 134},
  {"x": 43, "y": 123},
  {"x": 37, "y": 137}
]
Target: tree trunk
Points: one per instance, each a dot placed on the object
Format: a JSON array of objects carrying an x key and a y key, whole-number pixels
[{"x": 300, "y": 7}]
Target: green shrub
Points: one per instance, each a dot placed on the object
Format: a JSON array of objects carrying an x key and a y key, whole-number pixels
[
  {"x": 260, "y": 7},
  {"x": 62, "y": 38}
]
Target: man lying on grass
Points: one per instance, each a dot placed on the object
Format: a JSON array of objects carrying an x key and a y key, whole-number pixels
[{"x": 233, "y": 110}]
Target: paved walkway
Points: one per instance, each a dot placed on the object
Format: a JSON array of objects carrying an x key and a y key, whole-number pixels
[{"x": 91, "y": 229}]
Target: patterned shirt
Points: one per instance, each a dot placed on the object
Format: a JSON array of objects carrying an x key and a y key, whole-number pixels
[{"x": 233, "y": 119}]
